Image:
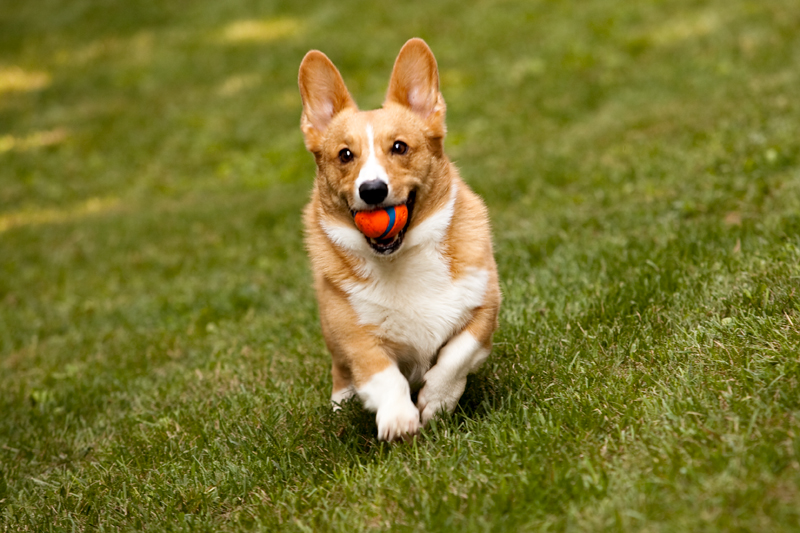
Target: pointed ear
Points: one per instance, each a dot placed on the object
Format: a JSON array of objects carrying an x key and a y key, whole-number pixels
[
  {"x": 324, "y": 95},
  {"x": 415, "y": 84}
]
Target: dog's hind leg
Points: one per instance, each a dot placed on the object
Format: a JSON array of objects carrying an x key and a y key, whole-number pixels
[{"x": 343, "y": 388}]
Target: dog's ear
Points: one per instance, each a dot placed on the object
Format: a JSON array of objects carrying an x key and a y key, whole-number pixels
[
  {"x": 415, "y": 84},
  {"x": 324, "y": 95}
]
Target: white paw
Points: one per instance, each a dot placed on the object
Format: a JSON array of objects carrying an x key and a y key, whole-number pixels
[
  {"x": 387, "y": 393},
  {"x": 341, "y": 396},
  {"x": 397, "y": 421},
  {"x": 439, "y": 395}
]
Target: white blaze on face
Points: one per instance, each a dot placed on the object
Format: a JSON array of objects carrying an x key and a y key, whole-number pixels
[{"x": 371, "y": 170}]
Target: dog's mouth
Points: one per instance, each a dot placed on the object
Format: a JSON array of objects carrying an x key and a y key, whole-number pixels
[{"x": 391, "y": 244}]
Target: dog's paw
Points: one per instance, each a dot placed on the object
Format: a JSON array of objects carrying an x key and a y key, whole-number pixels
[
  {"x": 439, "y": 395},
  {"x": 397, "y": 421},
  {"x": 341, "y": 396}
]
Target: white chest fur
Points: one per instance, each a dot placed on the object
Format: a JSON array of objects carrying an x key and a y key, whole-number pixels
[
  {"x": 411, "y": 298},
  {"x": 415, "y": 303}
]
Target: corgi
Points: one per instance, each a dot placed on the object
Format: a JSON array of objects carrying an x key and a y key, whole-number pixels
[{"x": 415, "y": 311}]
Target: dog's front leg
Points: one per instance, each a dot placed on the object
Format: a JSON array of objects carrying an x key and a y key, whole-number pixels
[
  {"x": 362, "y": 365},
  {"x": 387, "y": 394},
  {"x": 464, "y": 353}
]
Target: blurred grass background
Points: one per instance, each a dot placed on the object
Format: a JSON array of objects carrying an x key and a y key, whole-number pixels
[{"x": 161, "y": 365}]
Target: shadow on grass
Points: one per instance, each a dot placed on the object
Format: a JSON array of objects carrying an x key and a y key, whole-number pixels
[{"x": 354, "y": 428}]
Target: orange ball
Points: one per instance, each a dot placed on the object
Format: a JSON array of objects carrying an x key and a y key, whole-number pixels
[{"x": 382, "y": 223}]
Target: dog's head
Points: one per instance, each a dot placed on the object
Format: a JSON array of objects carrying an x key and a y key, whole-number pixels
[{"x": 381, "y": 158}]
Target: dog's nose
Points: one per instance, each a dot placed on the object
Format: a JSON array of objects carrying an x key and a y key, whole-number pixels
[{"x": 373, "y": 192}]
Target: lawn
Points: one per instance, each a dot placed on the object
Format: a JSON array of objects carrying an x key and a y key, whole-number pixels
[{"x": 161, "y": 363}]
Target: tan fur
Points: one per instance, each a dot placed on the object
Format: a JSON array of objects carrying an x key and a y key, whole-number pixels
[
  {"x": 345, "y": 339},
  {"x": 468, "y": 244},
  {"x": 414, "y": 113}
]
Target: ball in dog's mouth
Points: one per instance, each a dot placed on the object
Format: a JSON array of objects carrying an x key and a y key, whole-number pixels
[{"x": 388, "y": 245}]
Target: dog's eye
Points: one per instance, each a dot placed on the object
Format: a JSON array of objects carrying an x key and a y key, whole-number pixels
[
  {"x": 345, "y": 155},
  {"x": 399, "y": 148}
]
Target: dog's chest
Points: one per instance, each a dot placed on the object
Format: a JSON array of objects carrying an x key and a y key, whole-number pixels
[{"x": 415, "y": 303}]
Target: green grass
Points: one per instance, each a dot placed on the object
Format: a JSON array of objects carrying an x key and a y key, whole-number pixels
[{"x": 161, "y": 364}]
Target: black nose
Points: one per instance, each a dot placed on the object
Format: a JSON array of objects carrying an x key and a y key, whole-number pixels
[{"x": 373, "y": 192}]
